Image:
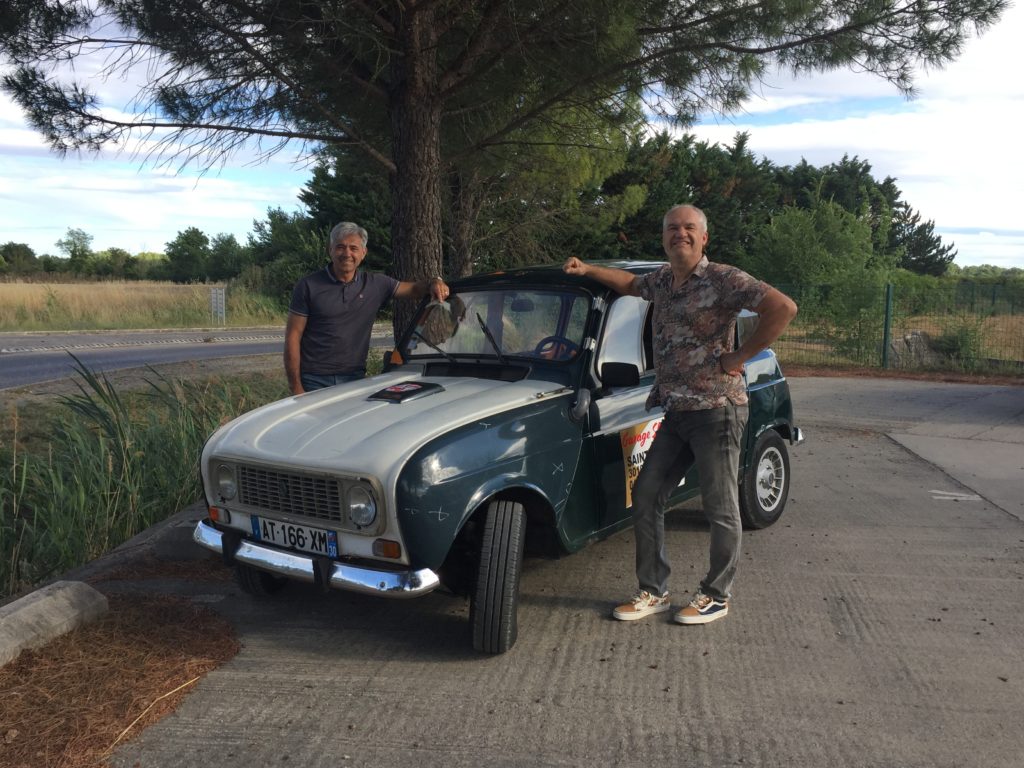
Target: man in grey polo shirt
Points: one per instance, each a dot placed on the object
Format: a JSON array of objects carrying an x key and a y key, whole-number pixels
[{"x": 331, "y": 314}]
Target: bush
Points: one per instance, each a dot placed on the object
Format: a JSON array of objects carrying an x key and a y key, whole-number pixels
[{"x": 961, "y": 341}]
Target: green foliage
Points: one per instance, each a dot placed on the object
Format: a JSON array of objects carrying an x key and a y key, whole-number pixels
[
  {"x": 824, "y": 244},
  {"x": 850, "y": 185},
  {"x": 18, "y": 258},
  {"x": 77, "y": 246},
  {"x": 990, "y": 271},
  {"x": 920, "y": 249},
  {"x": 81, "y": 260},
  {"x": 227, "y": 258},
  {"x": 284, "y": 248},
  {"x": 187, "y": 256},
  {"x": 345, "y": 188}
]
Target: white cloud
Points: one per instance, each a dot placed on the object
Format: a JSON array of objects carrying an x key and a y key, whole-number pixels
[
  {"x": 134, "y": 209},
  {"x": 1001, "y": 249},
  {"x": 953, "y": 150},
  {"x": 123, "y": 203}
]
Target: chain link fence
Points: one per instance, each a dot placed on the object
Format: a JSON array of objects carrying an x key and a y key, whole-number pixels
[{"x": 964, "y": 326}]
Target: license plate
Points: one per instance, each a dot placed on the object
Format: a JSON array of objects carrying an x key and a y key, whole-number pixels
[{"x": 302, "y": 537}]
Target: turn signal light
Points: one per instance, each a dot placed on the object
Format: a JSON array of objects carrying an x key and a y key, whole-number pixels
[
  {"x": 387, "y": 548},
  {"x": 219, "y": 515}
]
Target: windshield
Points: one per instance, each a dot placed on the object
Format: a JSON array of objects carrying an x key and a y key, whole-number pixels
[{"x": 535, "y": 324}]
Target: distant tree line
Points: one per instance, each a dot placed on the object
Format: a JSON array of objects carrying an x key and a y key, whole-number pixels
[{"x": 795, "y": 225}]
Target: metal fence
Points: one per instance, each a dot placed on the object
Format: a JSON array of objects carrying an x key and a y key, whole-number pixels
[{"x": 964, "y": 326}]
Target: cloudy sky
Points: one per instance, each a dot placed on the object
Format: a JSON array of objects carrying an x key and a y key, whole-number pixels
[{"x": 953, "y": 151}]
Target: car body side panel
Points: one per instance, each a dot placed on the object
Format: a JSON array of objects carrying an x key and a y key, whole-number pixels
[
  {"x": 770, "y": 404},
  {"x": 445, "y": 481}
]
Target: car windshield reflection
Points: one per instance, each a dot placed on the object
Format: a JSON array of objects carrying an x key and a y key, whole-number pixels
[{"x": 536, "y": 325}]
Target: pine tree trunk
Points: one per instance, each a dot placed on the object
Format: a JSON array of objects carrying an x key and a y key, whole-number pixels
[
  {"x": 415, "y": 108},
  {"x": 466, "y": 197}
]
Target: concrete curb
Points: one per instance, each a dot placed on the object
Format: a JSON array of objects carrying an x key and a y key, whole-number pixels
[{"x": 47, "y": 613}]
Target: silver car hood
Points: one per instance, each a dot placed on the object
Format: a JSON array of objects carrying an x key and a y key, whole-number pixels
[{"x": 340, "y": 429}]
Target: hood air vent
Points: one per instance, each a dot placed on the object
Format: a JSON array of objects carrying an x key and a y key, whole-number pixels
[{"x": 407, "y": 390}]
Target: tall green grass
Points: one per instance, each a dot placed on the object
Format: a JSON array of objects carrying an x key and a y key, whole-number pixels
[{"x": 115, "y": 464}]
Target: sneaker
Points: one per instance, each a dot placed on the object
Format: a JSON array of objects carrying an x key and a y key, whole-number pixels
[
  {"x": 703, "y": 609},
  {"x": 642, "y": 604}
]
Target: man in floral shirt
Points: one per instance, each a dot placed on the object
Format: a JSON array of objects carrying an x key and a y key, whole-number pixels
[{"x": 699, "y": 384}]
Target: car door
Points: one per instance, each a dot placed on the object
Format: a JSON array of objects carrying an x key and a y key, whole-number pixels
[{"x": 621, "y": 429}]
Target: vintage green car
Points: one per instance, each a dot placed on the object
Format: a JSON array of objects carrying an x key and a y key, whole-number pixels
[{"x": 508, "y": 421}]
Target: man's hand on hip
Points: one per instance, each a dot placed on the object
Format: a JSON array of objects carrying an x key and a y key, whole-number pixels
[{"x": 731, "y": 363}]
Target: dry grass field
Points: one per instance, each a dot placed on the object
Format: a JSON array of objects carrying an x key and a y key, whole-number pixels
[
  {"x": 957, "y": 340},
  {"x": 997, "y": 337},
  {"x": 122, "y": 305}
]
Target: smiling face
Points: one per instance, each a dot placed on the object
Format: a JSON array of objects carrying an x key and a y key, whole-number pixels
[
  {"x": 684, "y": 235},
  {"x": 346, "y": 256}
]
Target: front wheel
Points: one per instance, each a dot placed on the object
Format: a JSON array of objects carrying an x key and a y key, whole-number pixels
[
  {"x": 494, "y": 604},
  {"x": 764, "y": 487}
]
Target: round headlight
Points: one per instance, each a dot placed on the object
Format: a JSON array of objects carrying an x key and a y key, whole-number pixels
[
  {"x": 226, "y": 486},
  {"x": 362, "y": 509}
]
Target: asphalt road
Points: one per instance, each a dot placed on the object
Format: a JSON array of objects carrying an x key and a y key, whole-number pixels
[
  {"x": 27, "y": 359},
  {"x": 877, "y": 625}
]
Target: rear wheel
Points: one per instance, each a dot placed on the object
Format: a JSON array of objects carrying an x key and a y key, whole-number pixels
[
  {"x": 764, "y": 487},
  {"x": 494, "y": 603},
  {"x": 256, "y": 582}
]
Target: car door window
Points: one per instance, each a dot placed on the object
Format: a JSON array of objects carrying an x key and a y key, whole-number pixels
[{"x": 623, "y": 338}]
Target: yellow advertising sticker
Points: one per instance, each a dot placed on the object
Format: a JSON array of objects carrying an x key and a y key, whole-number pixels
[{"x": 636, "y": 441}]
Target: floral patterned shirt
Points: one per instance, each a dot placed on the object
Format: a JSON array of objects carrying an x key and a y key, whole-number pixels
[{"x": 692, "y": 327}]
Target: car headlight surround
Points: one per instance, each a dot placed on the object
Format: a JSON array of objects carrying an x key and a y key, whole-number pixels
[
  {"x": 361, "y": 506},
  {"x": 227, "y": 485}
]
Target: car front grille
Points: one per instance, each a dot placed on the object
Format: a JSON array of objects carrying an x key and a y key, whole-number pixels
[{"x": 289, "y": 493}]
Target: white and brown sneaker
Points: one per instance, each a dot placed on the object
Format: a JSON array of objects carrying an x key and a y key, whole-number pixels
[
  {"x": 703, "y": 609},
  {"x": 642, "y": 604}
]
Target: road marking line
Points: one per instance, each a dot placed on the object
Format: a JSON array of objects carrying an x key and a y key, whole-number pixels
[{"x": 954, "y": 496}]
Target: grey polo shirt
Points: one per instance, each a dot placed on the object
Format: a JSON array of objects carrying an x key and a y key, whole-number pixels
[{"x": 339, "y": 319}]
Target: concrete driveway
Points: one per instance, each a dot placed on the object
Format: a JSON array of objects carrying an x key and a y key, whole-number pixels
[{"x": 877, "y": 624}]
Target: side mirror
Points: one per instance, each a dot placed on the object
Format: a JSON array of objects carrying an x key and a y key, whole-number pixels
[
  {"x": 620, "y": 375},
  {"x": 392, "y": 359},
  {"x": 580, "y": 408}
]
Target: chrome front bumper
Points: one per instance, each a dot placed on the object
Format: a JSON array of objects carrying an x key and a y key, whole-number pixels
[{"x": 301, "y": 567}]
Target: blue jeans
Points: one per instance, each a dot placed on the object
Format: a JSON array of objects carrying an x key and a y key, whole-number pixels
[
  {"x": 312, "y": 381},
  {"x": 711, "y": 439}
]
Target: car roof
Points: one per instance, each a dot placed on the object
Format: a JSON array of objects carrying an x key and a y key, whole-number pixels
[{"x": 550, "y": 275}]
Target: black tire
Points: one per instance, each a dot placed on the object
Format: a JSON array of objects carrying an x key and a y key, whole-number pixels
[
  {"x": 764, "y": 487},
  {"x": 256, "y": 582},
  {"x": 494, "y": 603}
]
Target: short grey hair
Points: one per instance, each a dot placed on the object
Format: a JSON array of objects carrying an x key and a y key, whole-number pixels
[
  {"x": 343, "y": 230},
  {"x": 703, "y": 218}
]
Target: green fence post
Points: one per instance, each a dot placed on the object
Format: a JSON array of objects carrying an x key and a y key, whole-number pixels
[{"x": 887, "y": 330}]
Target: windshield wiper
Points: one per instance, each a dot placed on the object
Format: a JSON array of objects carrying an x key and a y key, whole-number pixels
[
  {"x": 490, "y": 338},
  {"x": 433, "y": 346}
]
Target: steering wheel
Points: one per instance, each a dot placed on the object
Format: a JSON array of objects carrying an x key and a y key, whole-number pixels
[{"x": 556, "y": 348}]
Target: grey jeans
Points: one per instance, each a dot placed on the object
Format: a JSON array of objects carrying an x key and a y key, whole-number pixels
[
  {"x": 711, "y": 439},
  {"x": 315, "y": 381}
]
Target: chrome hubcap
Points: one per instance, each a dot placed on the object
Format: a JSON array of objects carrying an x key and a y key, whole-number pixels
[{"x": 770, "y": 479}]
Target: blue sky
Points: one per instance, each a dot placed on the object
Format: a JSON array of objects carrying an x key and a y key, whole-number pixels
[{"x": 953, "y": 151}]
